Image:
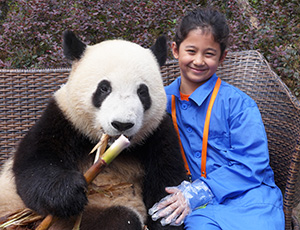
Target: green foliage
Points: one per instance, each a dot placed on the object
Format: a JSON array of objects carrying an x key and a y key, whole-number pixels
[
  {"x": 273, "y": 28},
  {"x": 31, "y": 31}
]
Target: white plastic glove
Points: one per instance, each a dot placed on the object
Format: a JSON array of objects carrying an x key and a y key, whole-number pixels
[{"x": 182, "y": 200}]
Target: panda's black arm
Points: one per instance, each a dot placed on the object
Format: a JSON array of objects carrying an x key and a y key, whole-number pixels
[
  {"x": 46, "y": 166},
  {"x": 163, "y": 164}
]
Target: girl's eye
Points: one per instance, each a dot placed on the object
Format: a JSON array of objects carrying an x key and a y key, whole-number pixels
[
  {"x": 191, "y": 51},
  {"x": 210, "y": 54}
]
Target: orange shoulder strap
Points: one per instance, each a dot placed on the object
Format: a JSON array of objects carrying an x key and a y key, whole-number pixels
[
  {"x": 205, "y": 131},
  {"x": 177, "y": 131},
  {"x": 206, "y": 127}
]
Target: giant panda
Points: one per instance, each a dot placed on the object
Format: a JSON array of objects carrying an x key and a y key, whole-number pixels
[{"x": 114, "y": 87}]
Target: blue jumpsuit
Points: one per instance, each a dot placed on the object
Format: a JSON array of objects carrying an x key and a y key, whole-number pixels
[{"x": 238, "y": 170}]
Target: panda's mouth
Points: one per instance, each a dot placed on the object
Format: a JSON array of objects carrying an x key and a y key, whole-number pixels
[
  {"x": 113, "y": 135},
  {"x": 105, "y": 142},
  {"x": 112, "y": 139}
]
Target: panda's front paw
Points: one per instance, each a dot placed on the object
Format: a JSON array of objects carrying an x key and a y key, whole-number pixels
[{"x": 67, "y": 196}]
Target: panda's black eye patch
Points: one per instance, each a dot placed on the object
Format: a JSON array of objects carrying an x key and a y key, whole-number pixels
[
  {"x": 102, "y": 91},
  {"x": 144, "y": 96}
]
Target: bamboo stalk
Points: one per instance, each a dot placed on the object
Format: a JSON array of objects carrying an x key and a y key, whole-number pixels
[
  {"x": 19, "y": 218},
  {"x": 46, "y": 223},
  {"x": 109, "y": 155},
  {"x": 78, "y": 222},
  {"x": 100, "y": 147}
]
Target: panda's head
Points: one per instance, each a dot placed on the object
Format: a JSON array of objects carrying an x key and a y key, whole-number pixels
[{"x": 115, "y": 87}]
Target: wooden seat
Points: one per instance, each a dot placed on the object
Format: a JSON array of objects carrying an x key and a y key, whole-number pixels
[{"x": 24, "y": 94}]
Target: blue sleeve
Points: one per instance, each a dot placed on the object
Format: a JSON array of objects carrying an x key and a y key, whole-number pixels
[
  {"x": 247, "y": 158},
  {"x": 169, "y": 102}
]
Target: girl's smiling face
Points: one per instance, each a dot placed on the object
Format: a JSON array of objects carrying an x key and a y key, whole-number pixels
[{"x": 199, "y": 57}]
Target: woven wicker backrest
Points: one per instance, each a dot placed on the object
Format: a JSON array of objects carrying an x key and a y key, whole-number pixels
[{"x": 24, "y": 94}]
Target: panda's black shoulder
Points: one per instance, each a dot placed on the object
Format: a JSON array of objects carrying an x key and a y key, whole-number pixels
[
  {"x": 162, "y": 148},
  {"x": 53, "y": 121},
  {"x": 53, "y": 135},
  {"x": 165, "y": 133}
]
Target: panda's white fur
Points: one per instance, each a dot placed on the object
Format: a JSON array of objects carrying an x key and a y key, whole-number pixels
[
  {"x": 46, "y": 169},
  {"x": 9, "y": 199},
  {"x": 126, "y": 71}
]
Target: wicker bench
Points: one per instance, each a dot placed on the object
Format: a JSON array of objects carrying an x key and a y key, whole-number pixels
[{"x": 24, "y": 93}]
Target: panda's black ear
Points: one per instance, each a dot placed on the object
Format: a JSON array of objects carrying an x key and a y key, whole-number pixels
[
  {"x": 73, "y": 47},
  {"x": 160, "y": 49}
]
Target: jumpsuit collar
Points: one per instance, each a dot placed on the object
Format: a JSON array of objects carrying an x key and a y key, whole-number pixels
[
  {"x": 200, "y": 94},
  {"x": 203, "y": 91}
]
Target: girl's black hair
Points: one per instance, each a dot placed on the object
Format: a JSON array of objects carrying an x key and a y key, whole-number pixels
[{"x": 206, "y": 19}]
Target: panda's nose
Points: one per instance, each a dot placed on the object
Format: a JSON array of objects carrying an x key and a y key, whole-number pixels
[{"x": 121, "y": 126}]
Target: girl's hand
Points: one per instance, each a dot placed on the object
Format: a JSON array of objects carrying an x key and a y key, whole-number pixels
[
  {"x": 182, "y": 200},
  {"x": 172, "y": 209}
]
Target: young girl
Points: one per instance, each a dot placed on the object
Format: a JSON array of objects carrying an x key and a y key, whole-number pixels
[{"x": 223, "y": 138}]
